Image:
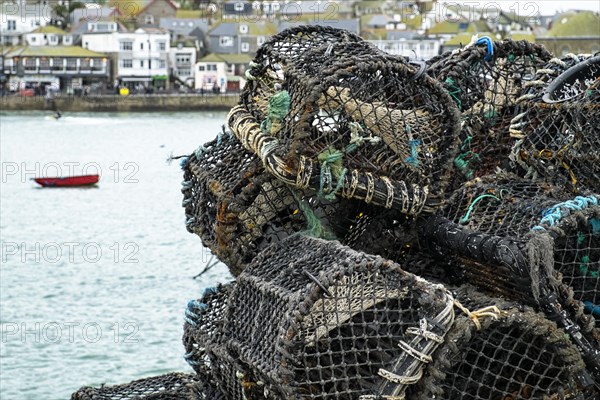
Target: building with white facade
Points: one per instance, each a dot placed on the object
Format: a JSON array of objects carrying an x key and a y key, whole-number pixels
[
  {"x": 221, "y": 72},
  {"x": 140, "y": 58},
  {"x": 48, "y": 36},
  {"x": 183, "y": 59},
  {"x": 18, "y": 18}
]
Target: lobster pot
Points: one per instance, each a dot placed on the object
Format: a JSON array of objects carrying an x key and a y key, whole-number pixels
[
  {"x": 238, "y": 209},
  {"x": 485, "y": 80},
  {"x": 169, "y": 386},
  {"x": 528, "y": 242},
  {"x": 348, "y": 120},
  {"x": 315, "y": 319},
  {"x": 503, "y": 351},
  {"x": 559, "y": 128}
]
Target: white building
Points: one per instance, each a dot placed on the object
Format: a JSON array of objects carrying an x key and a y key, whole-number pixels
[
  {"x": 17, "y": 19},
  {"x": 140, "y": 58},
  {"x": 183, "y": 59},
  {"x": 48, "y": 36},
  {"x": 221, "y": 72}
]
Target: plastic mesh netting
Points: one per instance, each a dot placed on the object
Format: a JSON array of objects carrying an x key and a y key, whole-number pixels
[
  {"x": 174, "y": 386},
  {"x": 345, "y": 119},
  {"x": 485, "y": 81},
  {"x": 558, "y": 124},
  {"x": 503, "y": 351}
]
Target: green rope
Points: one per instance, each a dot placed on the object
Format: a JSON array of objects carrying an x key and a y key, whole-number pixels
[
  {"x": 465, "y": 219},
  {"x": 332, "y": 163},
  {"x": 460, "y": 161},
  {"x": 315, "y": 227},
  {"x": 279, "y": 105},
  {"x": 454, "y": 91}
]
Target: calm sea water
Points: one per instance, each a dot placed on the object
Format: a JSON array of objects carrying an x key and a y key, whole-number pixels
[{"x": 94, "y": 281}]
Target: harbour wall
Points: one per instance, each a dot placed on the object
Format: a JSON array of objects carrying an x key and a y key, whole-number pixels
[{"x": 115, "y": 103}]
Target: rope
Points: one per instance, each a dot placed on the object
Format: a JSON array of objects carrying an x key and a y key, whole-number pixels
[
  {"x": 454, "y": 91},
  {"x": 591, "y": 308},
  {"x": 331, "y": 161},
  {"x": 465, "y": 219},
  {"x": 414, "y": 153},
  {"x": 554, "y": 214},
  {"x": 400, "y": 379},
  {"x": 315, "y": 227},
  {"x": 486, "y": 312}
]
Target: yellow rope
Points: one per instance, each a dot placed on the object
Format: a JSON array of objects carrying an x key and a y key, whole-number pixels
[{"x": 486, "y": 312}]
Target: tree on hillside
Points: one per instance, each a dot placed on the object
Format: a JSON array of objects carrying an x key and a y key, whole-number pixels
[{"x": 62, "y": 12}]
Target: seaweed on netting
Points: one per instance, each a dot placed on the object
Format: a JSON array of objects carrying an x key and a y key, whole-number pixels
[
  {"x": 485, "y": 80},
  {"x": 557, "y": 124},
  {"x": 347, "y": 120}
]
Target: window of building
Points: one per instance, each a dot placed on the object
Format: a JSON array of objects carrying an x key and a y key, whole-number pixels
[
  {"x": 245, "y": 47},
  {"x": 260, "y": 40},
  {"x": 226, "y": 41},
  {"x": 162, "y": 64},
  {"x": 44, "y": 63},
  {"x": 53, "y": 39},
  {"x": 127, "y": 63},
  {"x": 33, "y": 39},
  {"x": 211, "y": 67},
  {"x": 232, "y": 69},
  {"x": 126, "y": 46},
  {"x": 141, "y": 46},
  {"x": 12, "y": 25},
  {"x": 162, "y": 46},
  {"x": 243, "y": 28},
  {"x": 142, "y": 63},
  {"x": 71, "y": 63},
  {"x": 149, "y": 19},
  {"x": 201, "y": 68},
  {"x": 239, "y": 6}
]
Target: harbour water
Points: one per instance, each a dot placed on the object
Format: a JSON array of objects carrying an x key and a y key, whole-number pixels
[{"x": 94, "y": 281}]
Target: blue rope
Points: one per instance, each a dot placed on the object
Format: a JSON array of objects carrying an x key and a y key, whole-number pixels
[
  {"x": 199, "y": 151},
  {"x": 490, "y": 47},
  {"x": 554, "y": 214},
  {"x": 191, "y": 315},
  {"x": 188, "y": 357},
  {"x": 183, "y": 162},
  {"x": 591, "y": 308},
  {"x": 414, "y": 153}
]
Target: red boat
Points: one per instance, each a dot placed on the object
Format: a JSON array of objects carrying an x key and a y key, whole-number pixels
[{"x": 71, "y": 181}]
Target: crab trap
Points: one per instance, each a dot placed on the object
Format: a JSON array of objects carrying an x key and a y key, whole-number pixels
[
  {"x": 164, "y": 387},
  {"x": 346, "y": 120},
  {"x": 314, "y": 319},
  {"x": 238, "y": 209},
  {"x": 558, "y": 124},
  {"x": 528, "y": 242},
  {"x": 502, "y": 350},
  {"x": 485, "y": 80}
]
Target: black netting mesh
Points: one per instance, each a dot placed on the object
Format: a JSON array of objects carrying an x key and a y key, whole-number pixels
[
  {"x": 529, "y": 242},
  {"x": 325, "y": 321},
  {"x": 345, "y": 179},
  {"x": 558, "y": 124},
  {"x": 174, "y": 386},
  {"x": 485, "y": 81},
  {"x": 344, "y": 119},
  {"x": 503, "y": 351},
  {"x": 238, "y": 209}
]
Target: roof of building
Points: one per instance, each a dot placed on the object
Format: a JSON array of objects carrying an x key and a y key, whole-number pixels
[
  {"x": 49, "y": 29},
  {"x": 82, "y": 27},
  {"x": 227, "y": 58},
  {"x": 152, "y": 30},
  {"x": 225, "y": 29},
  {"x": 168, "y": 2},
  {"x": 52, "y": 51},
  {"x": 183, "y": 26},
  {"x": 92, "y": 13},
  {"x": 585, "y": 23},
  {"x": 190, "y": 13},
  {"x": 530, "y": 37},
  {"x": 379, "y": 20},
  {"x": 396, "y": 35}
]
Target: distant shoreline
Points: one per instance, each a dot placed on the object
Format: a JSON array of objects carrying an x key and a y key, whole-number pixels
[{"x": 115, "y": 103}]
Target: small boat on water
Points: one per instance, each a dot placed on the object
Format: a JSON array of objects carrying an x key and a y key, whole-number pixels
[{"x": 70, "y": 181}]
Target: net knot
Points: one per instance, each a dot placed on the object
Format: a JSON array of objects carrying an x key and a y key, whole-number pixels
[{"x": 485, "y": 312}]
